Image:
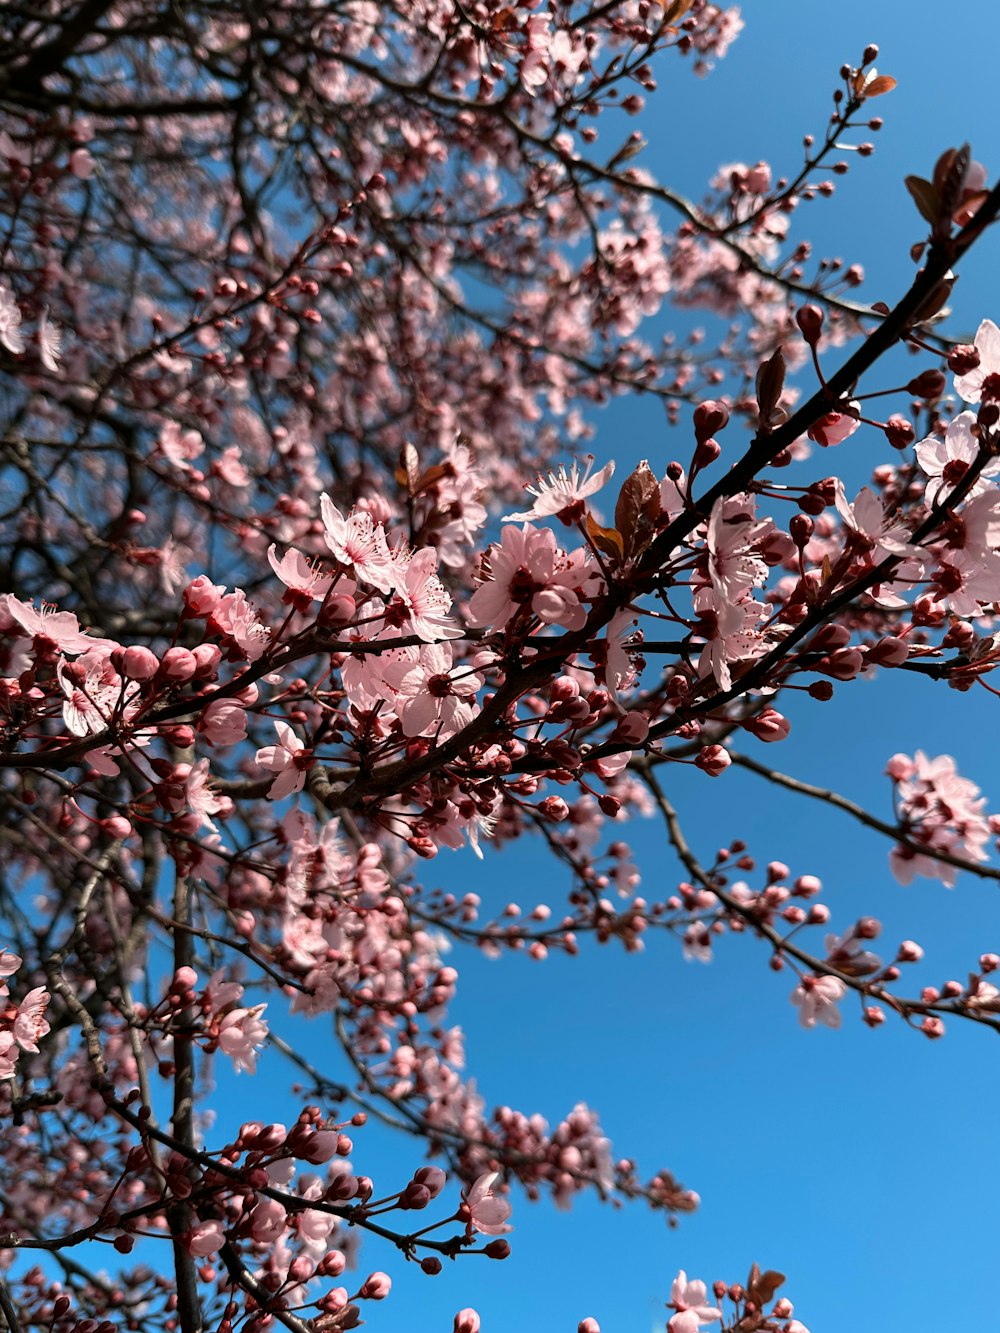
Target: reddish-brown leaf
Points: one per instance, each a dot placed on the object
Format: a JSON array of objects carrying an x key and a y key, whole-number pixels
[
  {"x": 608, "y": 540},
  {"x": 925, "y": 197},
  {"x": 770, "y": 382},
  {"x": 882, "y": 83}
]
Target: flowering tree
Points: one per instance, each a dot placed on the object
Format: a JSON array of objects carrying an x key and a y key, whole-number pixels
[{"x": 297, "y": 301}]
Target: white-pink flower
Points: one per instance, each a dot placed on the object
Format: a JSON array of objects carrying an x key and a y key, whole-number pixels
[
  {"x": 690, "y": 1301},
  {"x": 10, "y": 322},
  {"x": 49, "y": 342},
  {"x": 982, "y": 385},
  {"x": 431, "y": 697},
  {"x": 488, "y": 1213},
  {"x": 427, "y": 602},
  {"x": 290, "y": 759},
  {"x": 31, "y": 1023},
  {"x": 358, "y": 542},
  {"x": 816, "y": 998},
  {"x": 242, "y": 1033},
  {"x": 299, "y": 575},
  {"x": 945, "y": 462},
  {"x": 205, "y": 1238},
  {"x": 563, "y": 493}
]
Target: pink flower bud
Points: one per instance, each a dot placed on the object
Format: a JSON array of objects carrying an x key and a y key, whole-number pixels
[
  {"x": 208, "y": 657},
  {"x": 116, "y": 826},
  {"x": 899, "y": 432},
  {"x": 632, "y": 728},
  {"x": 588, "y": 1325},
  {"x": 179, "y": 664},
  {"x": 432, "y": 1177},
  {"x": 909, "y": 952},
  {"x": 332, "y": 1264},
  {"x": 769, "y": 726},
  {"x": 466, "y": 1321},
  {"x": 809, "y": 318},
  {"x": 709, "y": 417},
  {"x": 202, "y": 596},
  {"x": 376, "y": 1287},
  {"x": 554, "y": 808},
  {"x": 889, "y": 652},
  {"x": 713, "y": 760},
  {"x": 139, "y": 663}
]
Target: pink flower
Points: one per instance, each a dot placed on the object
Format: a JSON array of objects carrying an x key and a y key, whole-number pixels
[
  {"x": 49, "y": 342},
  {"x": 946, "y": 461},
  {"x": 61, "y": 627},
  {"x": 299, "y": 575},
  {"x": 205, "y": 1238},
  {"x": 982, "y": 385},
  {"x": 563, "y": 493},
  {"x": 427, "y": 602},
  {"x": 487, "y": 1212},
  {"x": 528, "y": 570},
  {"x": 10, "y": 322},
  {"x": 834, "y": 428},
  {"x": 224, "y": 722},
  {"x": 9, "y": 1051},
  {"x": 180, "y": 447},
  {"x": 690, "y": 1300},
  {"x": 30, "y": 1023},
  {"x": 817, "y": 998},
  {"x": 358, "y": 542},
  {"x": 290, "y": 759},
  {"x": 202, "y": 799},
  {"x": 431, "y": 697},
  {"x": 234, "y": 617},
  {"x": 242, "y": 1033}
]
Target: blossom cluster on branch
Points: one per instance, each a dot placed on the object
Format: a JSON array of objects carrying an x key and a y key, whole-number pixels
[{"x": 304, "y": 581}]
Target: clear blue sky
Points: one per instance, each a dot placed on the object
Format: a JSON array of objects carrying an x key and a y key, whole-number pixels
[{"x": 860, "y": 1163}]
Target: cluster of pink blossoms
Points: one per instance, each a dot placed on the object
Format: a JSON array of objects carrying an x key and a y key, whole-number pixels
[
  {"x": 939, "y": 810},
  {"x": 21, "y": 1025}
]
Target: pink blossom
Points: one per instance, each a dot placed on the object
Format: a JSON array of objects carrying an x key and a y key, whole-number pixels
[
  {"x": 946, "y": 461},
  {"x": 206, "y": 1238},
  {"x": 563, "y": 493},
  {"x": 816, "y": 998},
  {"x": 49, "y": 342},
  {"x": 690, "y": 1301},
  {"x": 9, "y": 1051},
  {"x": 242, "y": 1033},
  {"x": 10, "y": 322},
  {"x": 528, "y": 570},
  {"x": 223, "y": 722},
  {"x": 982, "y": 384},
  {"x": 431, "y": 697},
  {"x": 427, "y": 602},
  {"x": 359, "y": 543},
  {"x": 30, "y": 1023},
  {"x": 487, "y": 1211},
  {"x": 300, "y": 575},
  {"x": 834, "y": 427},
  {"x": 178, "y": 446},
  {"x": 61, "y": 627},
  {"x": 290, "y": 759},
  {"x": 202, "y": 798},
  {"x": 235, "y": 617}
]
